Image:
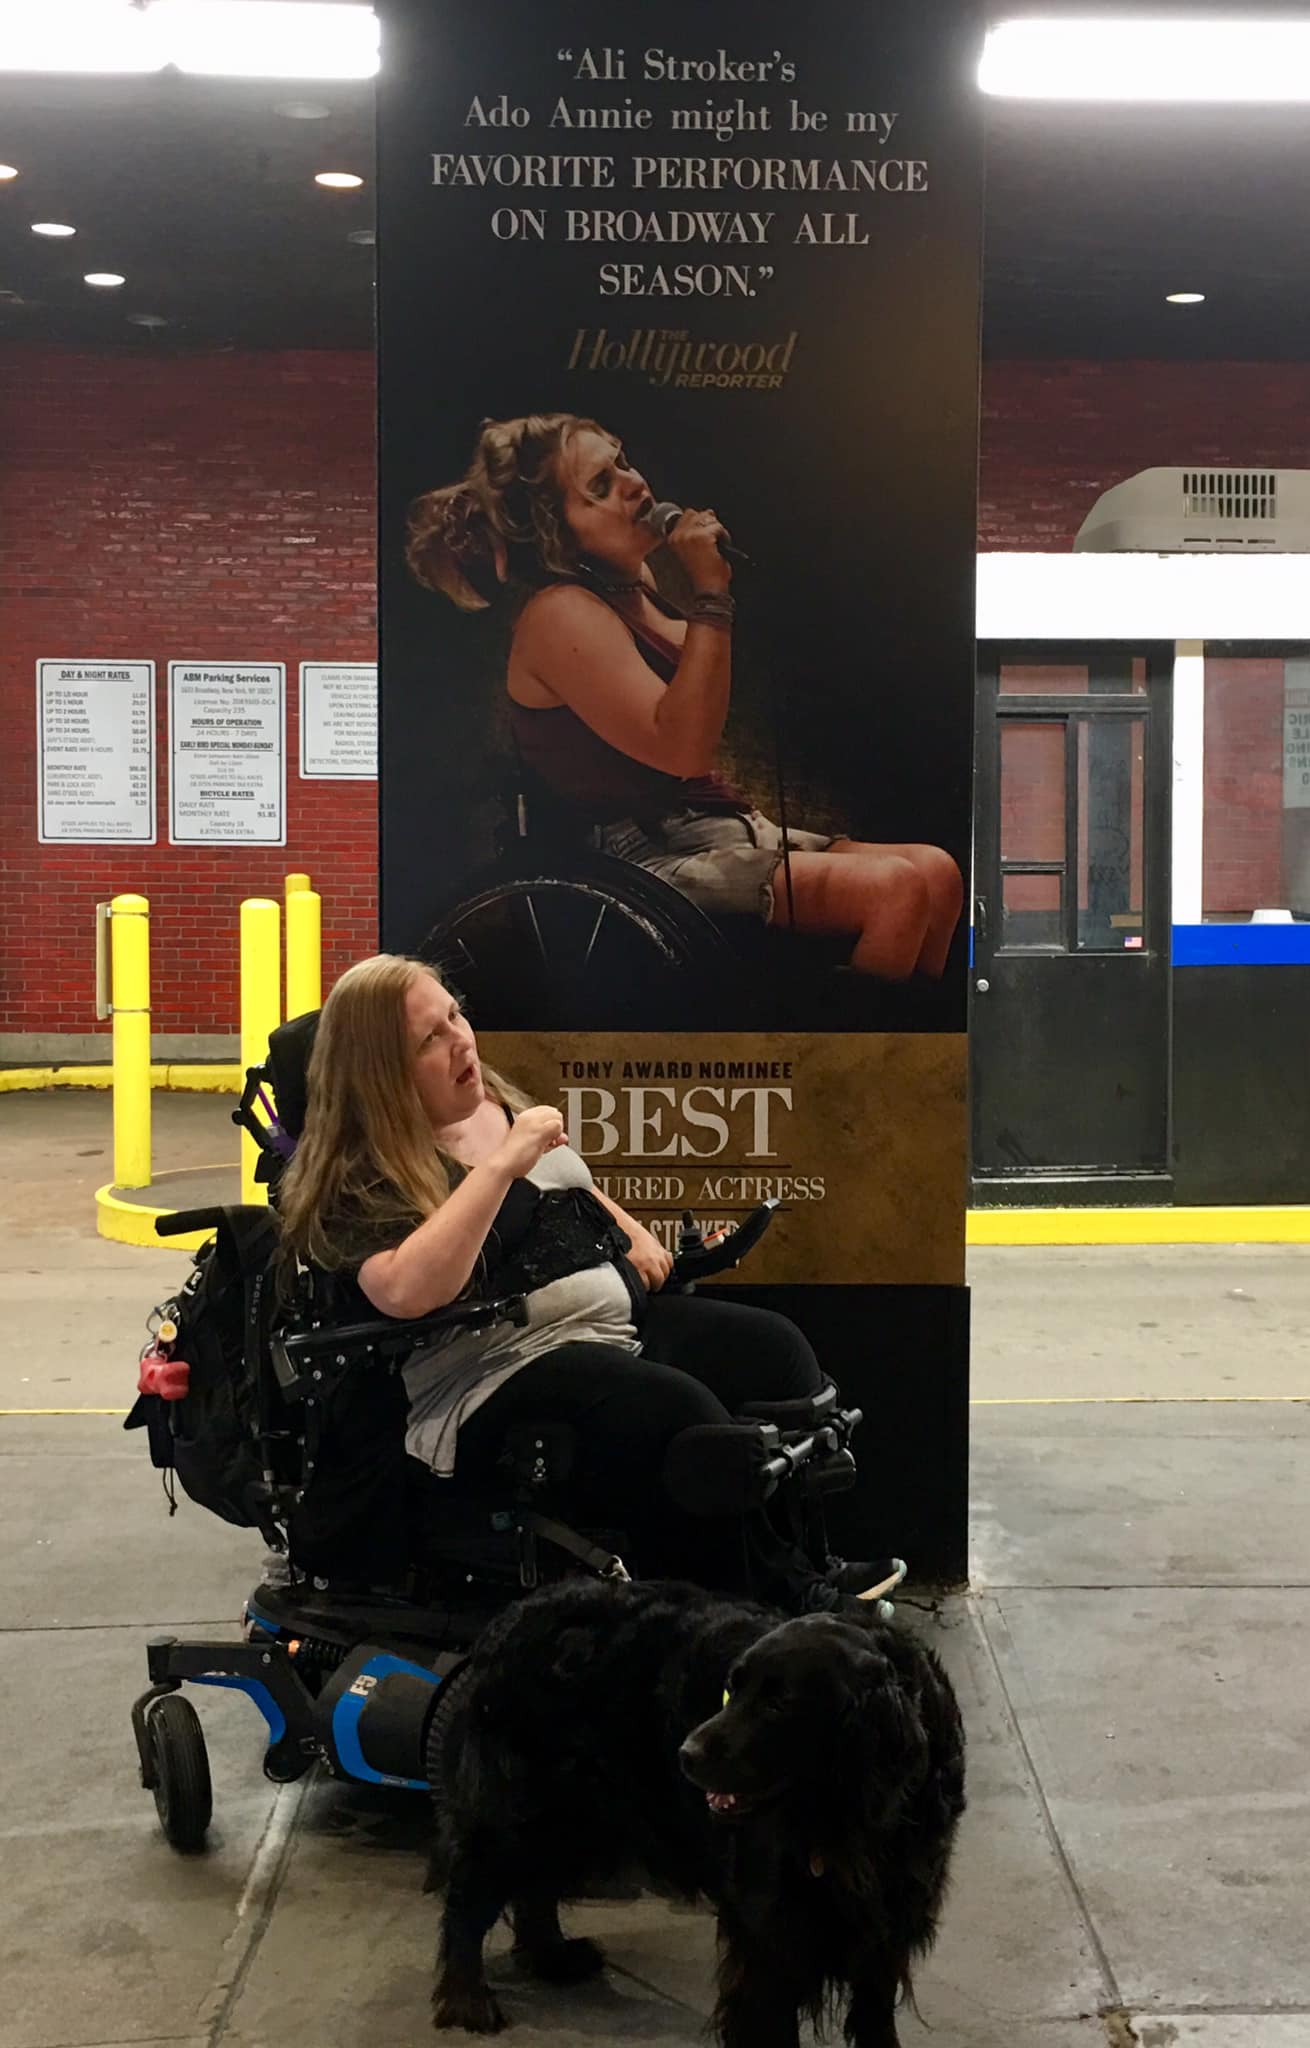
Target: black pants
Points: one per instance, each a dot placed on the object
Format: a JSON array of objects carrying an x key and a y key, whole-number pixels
[{"x": 700, "y": 1362}]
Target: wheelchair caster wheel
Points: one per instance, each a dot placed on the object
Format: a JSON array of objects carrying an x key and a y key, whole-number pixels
[
  {"x": 884, "y": 1610},
  {"x": 184, "y": 1798}
]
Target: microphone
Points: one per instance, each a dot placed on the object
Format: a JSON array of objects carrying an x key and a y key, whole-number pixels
[{"x": 662, "y": 519}]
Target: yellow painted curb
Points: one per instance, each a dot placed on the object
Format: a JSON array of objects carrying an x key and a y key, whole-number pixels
[
  {"x": 220, "y": 1078},
  {"x": 1138, "y": 1226},
  {"x": 134, "y": 1222},
  {"x": 200, "y": 1078}
]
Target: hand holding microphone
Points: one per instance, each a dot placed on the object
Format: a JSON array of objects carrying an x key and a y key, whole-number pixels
[{"x": 699, "y": 540}]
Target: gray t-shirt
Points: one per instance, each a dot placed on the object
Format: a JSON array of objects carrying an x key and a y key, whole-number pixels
[{"x": 448, "y": 1382}]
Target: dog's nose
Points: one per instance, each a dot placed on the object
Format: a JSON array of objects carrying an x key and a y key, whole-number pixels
[{"x": 692, "y": 1754}]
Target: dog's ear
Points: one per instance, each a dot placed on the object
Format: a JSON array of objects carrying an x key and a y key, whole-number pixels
[
  {"x": 882, "y": 1718},
  {"x": 570, "y": 1653}
]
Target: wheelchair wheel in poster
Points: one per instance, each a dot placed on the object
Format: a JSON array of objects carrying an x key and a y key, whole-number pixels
[
  {"x": 184, "y": 1797},
  {"x": 603, "y": 945}
]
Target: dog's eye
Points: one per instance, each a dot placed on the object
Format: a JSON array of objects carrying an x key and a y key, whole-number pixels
[{"x": 726, "y": 1695}]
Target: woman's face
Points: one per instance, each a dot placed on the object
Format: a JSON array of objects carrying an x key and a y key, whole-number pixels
[
  {"x": 605, "y": 500},
  {"x": 445, "y": 1054}
]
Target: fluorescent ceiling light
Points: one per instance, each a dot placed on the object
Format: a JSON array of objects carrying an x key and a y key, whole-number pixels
[
  {"x": 1127, "y": 59},
  {"x": 270, "y": 38},
  {"x": 105, "y": 279},
  {"x": 339, "y": 181},
  {"x": 56, "y": 229},
  {"x": 213, "y": 38},
  {"x": 78, "y": 35},
  {"x": 8, "y": 171},
  {"x": 1185, "y": 298}
]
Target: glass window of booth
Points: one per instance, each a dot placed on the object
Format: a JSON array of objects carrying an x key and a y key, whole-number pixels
[{"x": 1256, "y": 848}]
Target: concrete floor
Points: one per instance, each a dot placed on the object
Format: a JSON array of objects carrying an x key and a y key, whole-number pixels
[{"x": 1131, "y": 1661}]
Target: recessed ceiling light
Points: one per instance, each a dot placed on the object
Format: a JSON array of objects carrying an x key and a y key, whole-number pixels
[
  {"x": 106, "y": 279},
  {"x": 340, "y": 181},
  {"x": 147, "y": 320},
  {"x": 8, "y": 171},
  {"x": 302, "y": 110},
  {"x": 1185, "y": 298},
  {"x": 363, "y": 238},
  {"x": 52, "y": 227}
]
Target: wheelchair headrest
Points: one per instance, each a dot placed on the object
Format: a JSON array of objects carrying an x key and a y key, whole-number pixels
[{"x": 289, "y": 1048}]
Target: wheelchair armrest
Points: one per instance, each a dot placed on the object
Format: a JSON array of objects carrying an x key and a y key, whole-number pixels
[
  {"x": 702, "y": 1261},
  {"x": 811, "y": 1411},
  {"x": 388, "y": 1336}
]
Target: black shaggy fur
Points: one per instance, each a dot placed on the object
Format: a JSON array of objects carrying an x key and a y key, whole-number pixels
[{"x": 590, "y": 1739}]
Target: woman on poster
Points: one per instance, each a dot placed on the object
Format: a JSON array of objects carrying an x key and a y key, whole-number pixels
[{"x": 618, "y": 697}]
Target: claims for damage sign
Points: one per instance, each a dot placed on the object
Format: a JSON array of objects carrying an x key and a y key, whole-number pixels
[{"x": 679, "y": 427}]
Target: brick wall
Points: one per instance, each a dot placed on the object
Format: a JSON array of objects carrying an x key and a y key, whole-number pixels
[
  {"x": 1242, "y": 861},
  {"x": 1055, "y": 435},
  {"x": 146, "y": 510}
]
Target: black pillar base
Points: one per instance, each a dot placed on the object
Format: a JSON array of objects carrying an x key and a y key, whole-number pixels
[{"x": 902, "y": 1355}]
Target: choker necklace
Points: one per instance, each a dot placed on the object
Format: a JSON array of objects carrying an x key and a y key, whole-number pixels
[{"x": 614, "y": 589}]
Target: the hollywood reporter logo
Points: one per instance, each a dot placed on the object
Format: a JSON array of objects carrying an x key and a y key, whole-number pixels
[{"x": 670, "y": 357}]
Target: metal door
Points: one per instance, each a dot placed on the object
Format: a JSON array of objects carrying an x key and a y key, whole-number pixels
[{"x": 1070, "y": 1004}]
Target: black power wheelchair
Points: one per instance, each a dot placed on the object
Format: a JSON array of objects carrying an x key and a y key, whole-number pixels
[{"x": 346, "y": 1675}]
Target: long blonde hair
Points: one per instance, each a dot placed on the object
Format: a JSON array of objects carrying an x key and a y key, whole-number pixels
[
  {"x": 366, "y": 1170},
  {"x": 504, "y": 518}
]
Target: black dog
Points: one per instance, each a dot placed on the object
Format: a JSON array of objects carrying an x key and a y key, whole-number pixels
[{"x": 805, "y": 1776}]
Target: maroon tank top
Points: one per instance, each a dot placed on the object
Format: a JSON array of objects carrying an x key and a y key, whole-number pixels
[{"x": 593, "y": 783}]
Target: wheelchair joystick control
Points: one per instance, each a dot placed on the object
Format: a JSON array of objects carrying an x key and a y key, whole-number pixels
[{"x": 691, "y": 1238}]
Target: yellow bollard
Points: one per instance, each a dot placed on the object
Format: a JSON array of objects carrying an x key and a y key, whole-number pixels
[
  {"x": 295, "y": 883},
  {"x": 129, "y": 942},
  {"x": 304, "y": 951},
  {"x": 261, "y": 1013}
]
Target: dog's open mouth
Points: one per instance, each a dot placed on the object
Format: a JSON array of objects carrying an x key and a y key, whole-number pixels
[{"x": 737, "y": 1805}]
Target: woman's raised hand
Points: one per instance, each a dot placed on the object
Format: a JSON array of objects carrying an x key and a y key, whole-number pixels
[
  {"x": 533, "y": 1133},
  {"x": 695, "y": 541}
]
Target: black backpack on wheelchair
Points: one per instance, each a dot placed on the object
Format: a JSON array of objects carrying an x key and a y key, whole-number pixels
[{"x": 239, "y": 1386}]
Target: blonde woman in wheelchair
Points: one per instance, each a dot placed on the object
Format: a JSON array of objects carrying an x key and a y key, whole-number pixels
[{"x": 422, "y": 1179}]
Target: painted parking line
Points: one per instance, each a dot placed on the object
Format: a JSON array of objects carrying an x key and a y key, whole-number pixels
[{"x": 980, "y": 1401}]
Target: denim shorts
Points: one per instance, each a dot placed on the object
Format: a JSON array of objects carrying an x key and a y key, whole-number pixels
[{"x": 723, "y": 862}]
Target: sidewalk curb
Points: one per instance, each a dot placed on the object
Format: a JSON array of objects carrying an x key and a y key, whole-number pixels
[
  {"x": 218, "y": 1078},
  {"x": 1125, "y": 1227}
]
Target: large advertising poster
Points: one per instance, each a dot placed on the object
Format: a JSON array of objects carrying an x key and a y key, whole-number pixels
[{"x": 679, "y": 367}]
